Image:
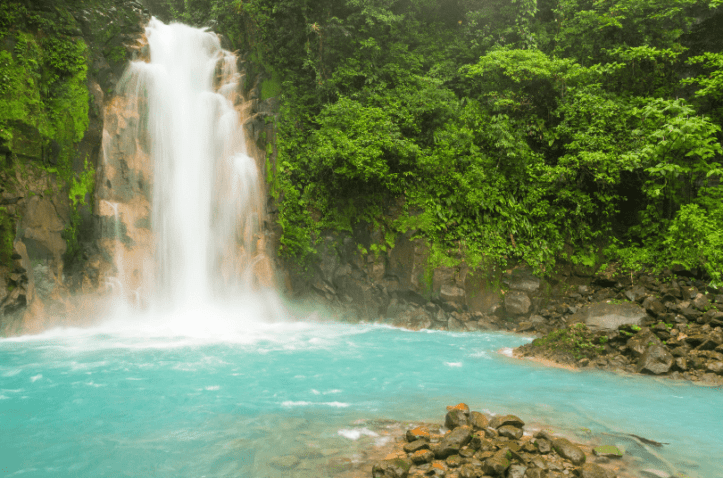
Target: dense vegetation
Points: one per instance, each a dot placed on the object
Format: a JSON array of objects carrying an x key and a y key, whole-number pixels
[{"x": 511, "y": 130}]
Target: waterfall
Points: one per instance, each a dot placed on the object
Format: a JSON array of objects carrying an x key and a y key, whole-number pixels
[{"x": 176, "y": 161}]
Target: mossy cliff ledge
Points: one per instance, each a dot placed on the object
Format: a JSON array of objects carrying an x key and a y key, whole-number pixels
[{"x": 59, "y": 64}]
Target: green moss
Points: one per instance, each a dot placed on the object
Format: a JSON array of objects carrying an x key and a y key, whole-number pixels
[
  {"x": 270, "y": 87},
  {"x": 7, "y": 236}
]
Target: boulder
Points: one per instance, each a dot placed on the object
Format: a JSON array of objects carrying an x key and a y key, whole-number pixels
[
  {"x": 416, "y": 445},
  {"x": 517, "y": 303},
  {"x": 605, "y": 316},
  {"x": 591, "y": 470},
  {"x": 422, "y": 456},
  {"x": 566, "y": 449},
  {"x": 497, "y": 463},
  {"x": 453, "y": 441},
  {"x": 543, "y": 446},
  {"x": 510, "y": 432},
  {"x": 455, "y": 325},
  {"x": 639, "y": 343},
  {"x": 478, "y": 420},
  {"x": 455, "y": 418},
  {"x": 516, "y": 471},
  {"x": 656, "y": 360},
  {"x": 395, "y": 468},
  {"x": 468, "y": 471},
  {"x": 501, "y": 420},
  {"x": 417, "y": 434},
  {"x": 654, "y": 306}
]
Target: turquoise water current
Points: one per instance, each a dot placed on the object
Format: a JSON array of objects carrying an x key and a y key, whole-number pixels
[{"x": 112, "y": 402}]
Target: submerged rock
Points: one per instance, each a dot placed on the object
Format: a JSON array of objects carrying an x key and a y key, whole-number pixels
[{"x": 566, "y": 449}]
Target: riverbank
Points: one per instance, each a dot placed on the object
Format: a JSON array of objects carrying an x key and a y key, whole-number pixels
[{"x": 666, "y": 326}]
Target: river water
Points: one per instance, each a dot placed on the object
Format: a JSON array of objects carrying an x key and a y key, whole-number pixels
[{"x": 145, "y": 400}]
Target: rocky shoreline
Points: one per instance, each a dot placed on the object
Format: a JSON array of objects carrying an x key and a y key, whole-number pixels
[
  {"x": 471, "y": 444},
  {"x": 665, "y": 326}
]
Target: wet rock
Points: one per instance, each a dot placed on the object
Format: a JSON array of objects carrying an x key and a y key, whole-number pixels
[
  {"x": 510, "y": 432},
  {"x": 478, "y": 420},
  {"x": 460, "y": 406},
  {"x": 395, "y": 468},
  {"x": 591, "y": 470},
  {"x": 422, "y": 456},
  {"x": 655, "y": 360},
  {"x": 566, "y": 449},
  {"x": 455, "y": 418},
  {"x": 468, "y": 471},
  {"x": 453, "y": 441},
  {"x": 497, "y": 463},
  {"x": 543, "y": 446},
  {"x": 417, "y": 434},
  {"x": 454, "y": 461},
  {"x": 454, "y": 325},
  {"x": 607, "y": 451},
  {"x": 501, "y": 420},
  {"x": 416, "y": 445}
]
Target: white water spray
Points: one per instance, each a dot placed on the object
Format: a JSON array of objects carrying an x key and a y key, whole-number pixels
[{"x": 177, "y": 126}]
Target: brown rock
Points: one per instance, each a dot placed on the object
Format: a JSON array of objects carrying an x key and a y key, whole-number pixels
[
  {"x": 500, "y": 420},
  {"x": 566, "y": 449},
  {"x": 453, "y": 441},
  {"x": 455, "y": 418},
  {"x": 422, "y": 456},
  {"x": 417, "y": 434},
  {"x": 497, "y": 463},
  {"x": 479, "y": 421},
  {"x": 416, "y": 445}
]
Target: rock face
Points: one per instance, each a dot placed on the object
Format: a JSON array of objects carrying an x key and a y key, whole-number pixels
[{"x": 46, "y": 178}]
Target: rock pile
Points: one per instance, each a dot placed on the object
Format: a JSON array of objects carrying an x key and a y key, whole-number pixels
[
  {"x": 667, "y": 328},
  {"x": 477, "y": 446}
]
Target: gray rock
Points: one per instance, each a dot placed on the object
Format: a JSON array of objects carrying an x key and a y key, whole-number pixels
[
  {"x": 468, "y": 471},
  {"x": 453, "y": 441},
  {"x": 517, "y": 303},
  {"x": 654, "y": 306},
  {"x": 535, "y": 473},
  {"x": 510, "y": 432},
  {"x": 543, "y": 446},
  {"x": 526, "y": 283},
  {"x": 396, "y": 468},
  {"x": 604, "y": 316},
  {"x": 655, "y": 360},
  {"x": 566, "y": 449},
  {"x": 639, "y": 343},
  {"x": 516, "y": 471},
  {"x": 455, "y": 325},
  {"x": 455, "y": 418}
]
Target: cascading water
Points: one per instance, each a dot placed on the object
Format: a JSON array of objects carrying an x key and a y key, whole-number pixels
[{"x": 181, "y": 133}]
